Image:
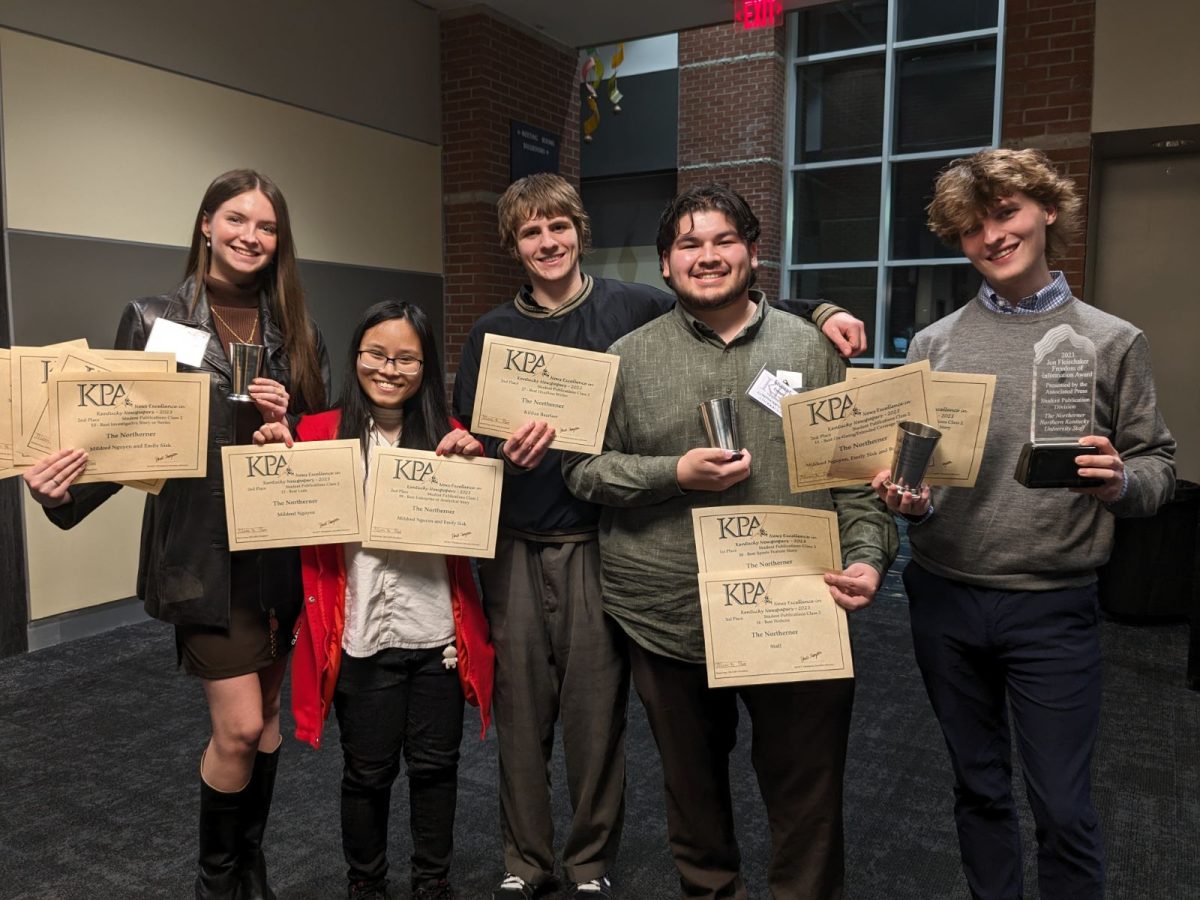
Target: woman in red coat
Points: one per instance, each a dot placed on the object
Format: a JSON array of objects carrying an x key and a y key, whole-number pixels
[{"x": 394, "y": 640}]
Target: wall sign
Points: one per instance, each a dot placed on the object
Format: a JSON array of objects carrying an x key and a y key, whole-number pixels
[
  {"x": 758, "y": 13},
  {"x": 532, "y": 149}
]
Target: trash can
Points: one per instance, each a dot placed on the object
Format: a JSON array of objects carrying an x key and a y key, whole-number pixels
[{"x": 1152, "y": 571}]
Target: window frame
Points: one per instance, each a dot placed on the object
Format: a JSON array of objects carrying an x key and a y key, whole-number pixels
[{"x": 882, "y": 264}]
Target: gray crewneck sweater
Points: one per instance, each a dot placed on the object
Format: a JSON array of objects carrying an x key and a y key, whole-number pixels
[{"x": 1003, "y": 535}]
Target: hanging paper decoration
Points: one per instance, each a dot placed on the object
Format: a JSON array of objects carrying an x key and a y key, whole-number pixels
[
  {"x": 592, "y": 122},
  {"x": 614, "y": 95},
  {"x": 592, "y": 76}
]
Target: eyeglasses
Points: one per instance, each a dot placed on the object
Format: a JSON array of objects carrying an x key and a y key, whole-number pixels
[{"x": 374, "y": 360}]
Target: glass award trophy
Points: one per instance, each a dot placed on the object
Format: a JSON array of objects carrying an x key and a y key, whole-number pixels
[{"x": 1064, "y": 402}]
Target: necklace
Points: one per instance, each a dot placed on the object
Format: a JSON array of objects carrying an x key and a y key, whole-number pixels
[{"x": 229, "y": 328}]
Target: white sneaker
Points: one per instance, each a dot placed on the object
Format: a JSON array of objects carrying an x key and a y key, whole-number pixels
[
  {"x": 597, "y": 889},
  {"x": 514, "y": 887}
]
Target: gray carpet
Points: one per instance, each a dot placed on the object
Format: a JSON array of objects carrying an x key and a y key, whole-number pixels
[{"x": 99, "y": 742}]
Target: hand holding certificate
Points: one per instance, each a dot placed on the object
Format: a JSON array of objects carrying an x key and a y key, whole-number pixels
[
  {"x": 768, "y": 614},
  {"x": 523, "y": 380}
]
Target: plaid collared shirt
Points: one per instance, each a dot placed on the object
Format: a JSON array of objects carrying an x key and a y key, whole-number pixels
[{"x": 1052, "y": 296}]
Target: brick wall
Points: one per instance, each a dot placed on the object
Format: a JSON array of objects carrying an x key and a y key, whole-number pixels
[
  {"x": 731, "y": 121},
  {"x": 492, "y": 72},
  {"x": 1048, "y": 58}
]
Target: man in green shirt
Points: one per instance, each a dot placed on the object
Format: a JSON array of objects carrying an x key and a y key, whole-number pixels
[{"x": 654, "y": 469}]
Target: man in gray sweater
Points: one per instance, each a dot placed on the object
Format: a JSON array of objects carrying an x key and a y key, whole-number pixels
[
  {"x": 1002, "y": 587},
  {"x": 656, "y": 467}
]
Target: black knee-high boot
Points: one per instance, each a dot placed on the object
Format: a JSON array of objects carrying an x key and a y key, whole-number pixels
[
  {"x": 220, "y": 812},
  {"x": 252, "y": 865}
]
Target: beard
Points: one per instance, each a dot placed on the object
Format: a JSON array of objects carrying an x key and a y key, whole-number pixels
[{"x": 696, "y": 303}]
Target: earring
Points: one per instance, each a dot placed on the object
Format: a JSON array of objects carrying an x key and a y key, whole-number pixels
[{"x": 207, "y": 244}]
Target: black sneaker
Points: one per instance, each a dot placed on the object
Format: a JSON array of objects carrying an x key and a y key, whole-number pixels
[
  {"x": 596, "y": 889},
  {"x": 513, "y": 887},
  {"x": 435, "y": 890}
]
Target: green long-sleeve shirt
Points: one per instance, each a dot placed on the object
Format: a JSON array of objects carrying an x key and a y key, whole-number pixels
[{"x": 668, "y": 367}]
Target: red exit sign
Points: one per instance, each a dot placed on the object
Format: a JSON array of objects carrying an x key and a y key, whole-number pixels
[{"x": 758, "y": 13}]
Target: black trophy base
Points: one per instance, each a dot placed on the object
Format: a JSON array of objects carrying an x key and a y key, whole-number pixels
[
  {"x": 246, "y": 419},
  {"x": 1053, "y": 465}
]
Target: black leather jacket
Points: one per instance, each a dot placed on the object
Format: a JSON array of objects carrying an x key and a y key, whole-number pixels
[{"x": 183, "y": 567}]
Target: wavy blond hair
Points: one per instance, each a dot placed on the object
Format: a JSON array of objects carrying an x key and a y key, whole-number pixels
[
  {"x": 967, "y": 187},
  {"x": 537, "y": 195}
]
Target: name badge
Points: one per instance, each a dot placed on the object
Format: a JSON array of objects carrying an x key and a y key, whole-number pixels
[
  {"x": 767, "y": 390},
  {"x": 188, "y": 344}
]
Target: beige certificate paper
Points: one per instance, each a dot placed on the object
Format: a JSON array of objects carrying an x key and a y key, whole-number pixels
[
  {"x": 522, "y": 380},
  {"x": 768, "y": 615},
  {"x": 135, "y": 426},
  {"x": 771, "y": 626},
  {"x": 30, "y": 370},
  {"x": 310, "y": 493},
  {"x": 81, "y": 359},
  {"x": 844, "y": 433},
  {"x": 745, "y": 538},
  {"x": 425, "y": 503},
  {"x": 962, "y": 408},
  {"x": 6, "y": 451},
  {"x": 962, "y": 412}
]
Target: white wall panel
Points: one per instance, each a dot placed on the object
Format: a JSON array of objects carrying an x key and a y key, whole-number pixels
[{"x": 101, "y": 147}]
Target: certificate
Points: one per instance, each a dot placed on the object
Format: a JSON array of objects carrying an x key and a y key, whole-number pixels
[
  {"x": 6, "y": 450},
  {"x": 522, "y": 380},
  {"x": 745, "y": 538},
  {"x": 30, "y": 370},
  {"x": 962, "y": 407},
  {"x": 772, "y": 626},
  {"x": 135, "y": 426},
  {"x": 425, "y": 503},
  {"x": 278, "y": 496},
  {"x": 962, "y": 412},
  {"x": 844, "y": 433}
]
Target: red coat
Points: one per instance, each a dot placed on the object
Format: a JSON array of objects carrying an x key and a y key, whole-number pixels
[{"x": 317, "y": 655}]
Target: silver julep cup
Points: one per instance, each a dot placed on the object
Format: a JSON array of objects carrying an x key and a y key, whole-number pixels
[
  {"x": 720, "y": 423},
  {"x": 247, "y": 361},
  {"x": 914, "y": 451}
]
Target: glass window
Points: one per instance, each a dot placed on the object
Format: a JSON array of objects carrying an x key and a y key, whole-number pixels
[
  {"x": 912, "y": 192},
  {"x": 853, "y": 194},
  {"x": 920, "y": 295},
  {"x": 851, "y": 289},
  {"x": 842, "y": 26},
  {"x": 839, "y": 109},
  {"x": 835, "y": 215},
  {"x": 946, "y": 96},
  {"x": 925, "y": 18}
]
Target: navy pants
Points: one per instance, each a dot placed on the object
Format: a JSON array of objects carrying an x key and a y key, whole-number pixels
[{"x": 981, "y": 652}]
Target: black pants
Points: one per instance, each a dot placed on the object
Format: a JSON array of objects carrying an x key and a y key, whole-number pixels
[
  {"x": 981, "y": 651},
  {"x": 798, "y": 750},
  {"x": 399, "y": 701}
]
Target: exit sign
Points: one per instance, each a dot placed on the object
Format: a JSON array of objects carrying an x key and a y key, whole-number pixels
[{"x": 758, "y": 13}]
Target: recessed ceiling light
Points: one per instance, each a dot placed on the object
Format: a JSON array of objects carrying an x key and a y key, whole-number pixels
[{"x": 1173, "y": 143}]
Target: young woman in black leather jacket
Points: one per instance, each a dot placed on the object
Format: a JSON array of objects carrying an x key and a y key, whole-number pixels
[{"x": 233, "y": 613}]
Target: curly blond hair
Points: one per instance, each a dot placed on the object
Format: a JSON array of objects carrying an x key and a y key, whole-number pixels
[
  {"x": 543, "y": 194},
  {"x": 967, "y": 187}
]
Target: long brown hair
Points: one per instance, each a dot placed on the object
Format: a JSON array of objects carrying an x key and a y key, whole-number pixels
[{"x": 280, "y": 279}]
